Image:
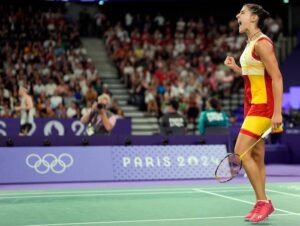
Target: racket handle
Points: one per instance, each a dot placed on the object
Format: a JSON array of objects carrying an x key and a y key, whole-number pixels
[{"x": 265, "y": 134}]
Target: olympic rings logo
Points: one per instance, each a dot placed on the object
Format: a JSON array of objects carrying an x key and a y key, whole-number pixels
[{"x": 49, "y": 162}]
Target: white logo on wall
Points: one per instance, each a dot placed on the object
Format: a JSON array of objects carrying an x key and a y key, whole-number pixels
[
  {"x": 49, "y": 162},
  {"x": 77, "y": 128},
  {"x": 51, "y": 125},
  {"x": 32, "y": 129},
  {"x": 2, "y": 131}
]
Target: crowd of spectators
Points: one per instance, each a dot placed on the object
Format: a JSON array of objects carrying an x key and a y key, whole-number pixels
[
  {"x": 161, "y": 59},
  {"x": 158, "y": 59},
  {"x": 40, "y": 50}
]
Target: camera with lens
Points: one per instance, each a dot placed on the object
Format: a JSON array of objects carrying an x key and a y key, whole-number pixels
[{"x": 100, "y": 106}]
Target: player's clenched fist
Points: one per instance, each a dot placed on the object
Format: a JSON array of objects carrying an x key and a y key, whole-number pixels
[{"x": 230, "y": 62}]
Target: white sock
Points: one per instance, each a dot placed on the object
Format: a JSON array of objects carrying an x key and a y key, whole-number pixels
[{"x": 265, "y": 201}]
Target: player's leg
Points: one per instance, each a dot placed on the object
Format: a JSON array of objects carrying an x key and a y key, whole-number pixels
[
  {"x": 262, "y": 207},
  {"x": 252, "y": 128},
  {"x": 250, "y": 166},
  {"x": 253, "y": 162},
  {"x": 258, "y": 154}
]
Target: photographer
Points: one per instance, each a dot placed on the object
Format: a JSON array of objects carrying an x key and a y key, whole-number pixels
[{"x": 100, "y": 120}]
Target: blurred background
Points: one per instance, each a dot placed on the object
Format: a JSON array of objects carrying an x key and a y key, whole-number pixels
[
  {"x": 148, "y": 56},
  {"x": 141, "y": 53},
  {"x": 176, "y": 112}
]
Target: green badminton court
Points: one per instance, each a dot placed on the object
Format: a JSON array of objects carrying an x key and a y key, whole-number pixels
[{"x": 205, "y": 205}]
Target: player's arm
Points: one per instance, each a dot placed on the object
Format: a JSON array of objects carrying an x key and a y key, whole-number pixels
[
  {"x": 230, "y": 62},
  {"x": 264, "y": 49}
]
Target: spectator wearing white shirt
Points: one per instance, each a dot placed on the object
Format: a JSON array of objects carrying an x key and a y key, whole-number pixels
[
  {"x": 50, "y": 88},
  {"x": 87, "y": 108},
  {"x": 55, "y": 100},
  {"x": 38, "y": 88},
  {"x": 72, "y": 110}
]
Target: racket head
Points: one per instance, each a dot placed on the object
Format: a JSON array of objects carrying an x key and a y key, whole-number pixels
[{"x": 228, "y": 168}]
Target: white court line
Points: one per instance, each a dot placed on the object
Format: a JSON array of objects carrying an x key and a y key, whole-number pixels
[
  {"x": 283, "y": 193},
  {"x": 240, "y": 200},
  {"x": 111, "y": 190},
  {"x": 114, "y": 190},
  {"x": 148, "y": 220},
  {"x": 112, "y": 194},
  {"x": 120, "y": 191},
  {"x": 291, "y": 187},
  {"x": 93, "y": 191},
  {"x": 92, "y": 195}
]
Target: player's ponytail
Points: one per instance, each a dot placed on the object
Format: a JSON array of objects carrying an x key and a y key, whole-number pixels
[{"x": 260, "y": 12}]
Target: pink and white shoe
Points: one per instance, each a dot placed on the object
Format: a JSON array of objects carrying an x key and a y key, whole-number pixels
[{"x": 262, "y": 211}]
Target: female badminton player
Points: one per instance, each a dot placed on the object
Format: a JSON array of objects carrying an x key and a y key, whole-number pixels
[{"x": 262, "y": 101}]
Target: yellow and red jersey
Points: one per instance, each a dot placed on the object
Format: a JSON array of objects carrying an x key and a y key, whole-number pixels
[{"x": 258, "y": 94}]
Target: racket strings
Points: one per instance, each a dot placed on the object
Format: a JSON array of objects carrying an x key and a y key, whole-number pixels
[{"x": 228, "y": 168}]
